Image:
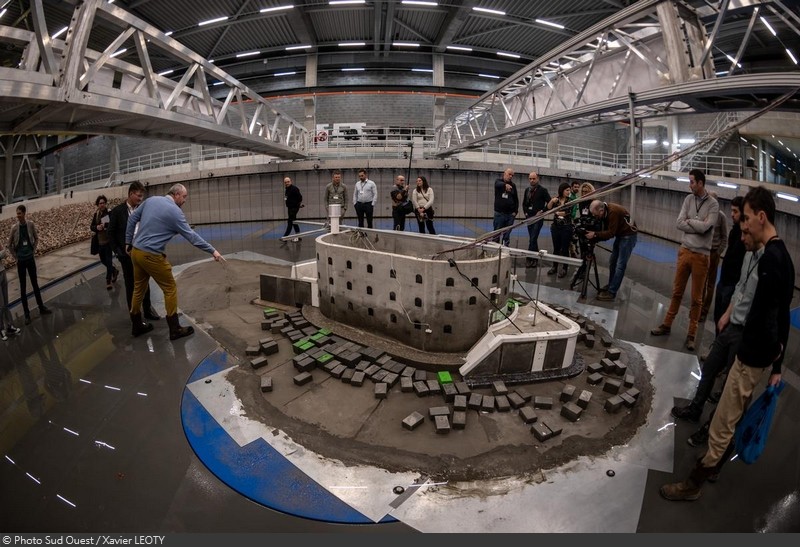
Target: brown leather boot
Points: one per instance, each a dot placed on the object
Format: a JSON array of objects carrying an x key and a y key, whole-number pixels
[
  {"x": 138, "y": 327},
  {"x": 176, "y": 330}
]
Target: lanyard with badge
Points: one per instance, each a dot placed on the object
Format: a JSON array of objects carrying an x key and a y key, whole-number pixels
[{"x": 750, "y": 267}]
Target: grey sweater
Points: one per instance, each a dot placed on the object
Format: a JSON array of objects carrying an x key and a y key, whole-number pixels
[{"x": 697, "y": 220}]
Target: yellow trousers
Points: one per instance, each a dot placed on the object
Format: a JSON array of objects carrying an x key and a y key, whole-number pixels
[{"x": 145, "y": 266}]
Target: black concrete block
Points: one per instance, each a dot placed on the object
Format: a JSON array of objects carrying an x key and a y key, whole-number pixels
[
  {"x": 612, "y": 386},
  {"x": 379, "y": 376},
  {"x": 357, "y": 379},
  {"x": 406, "y": 384},
  {"x": 385, "y": 358},
  {"x": 265, "y": 340},
  {"x": 613, "y": 354},
  {"x": 433, "y": 387},
  {"x": 363, "y": 365},
  {"x": 251, "y": 351},
  {"x": 329, "y": 366},
  {"x": 350, "y": 358},
  {"x": 420, "y": 376},
  {"x": 442, "y": 424},
  {"x": 571, "y": 411},
  {"x": 394, "y": 367},
  {"x": 528, "y": 415},
  {"x": 581, "y": 321},
  {"x": 584, "y": 398},
  {"x": 555, "y": 429},
  {"x": 460, "y": 402},
  {"x": 381, "y": 390},
  {"x": 567, "y": 393},
  {"x": 307, "y": 364},
  {"x": 633, "y": 392},
  {"x": 258, "y": 362},
  {"x": 308, "y": 331},
  {"x": 542, "y": 402},
  {"x": 391, "y": 379},
  {"x": 590, "y": 329},
  {"x": 266, "y": 325},
  {"x": 270, "y": 348},
  {"x": 266, "y": 384},
  {"x": 581, "y": 335},
  {"x": 522, "y": 392},
  {"x": 515, "y": 400},
  {"x": 622, "y": 368},
  {"x": 589, "y": 341},
  {"x": 541, "y": 431},
  {"x": 449, "y": 392},
  {"x": 303, "y": 378},
  {"x": 408, "y": 372},
  {"x": 606, "y": 341},
  {"x": 609, "y": 367},
  {"x": 372, "y": 370},
  {"x": 413, "y": 420},
  {"x": 281, "y": 327},
  {"x": 502, "y": 404},
  {"x": 421, "y": 389},
  {"x": 338, "y": 370},
  {"x": 629, "y": 379},
  {"x": 459, "y": 419},
  {"x": 594, "y": 379},
  {"x": 347, "y": 375},
  {"x": 594, "y": 368},
  {"x": 499, "y": 388},
  {"x": 462, "y": 387},
  {"x": 613, "y": 404},
  {"x": 487, "y": 404},
  {"x": 438, "y": 411},
  {"x": 627, "y": 400},
  {"x": 475, "y": 401}
]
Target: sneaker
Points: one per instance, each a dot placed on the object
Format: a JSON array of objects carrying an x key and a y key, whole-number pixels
[
  {"x": 704, "y": 355},
  {"x": 109, "y": 286},
  {"x": 690, "y": 343},
  {"x": 685, "y": 413},
  {"x": 605, "y": 296},
  {"x": 13, "y": 330},
  {"x": 661, "y": 330},
  {"x": 3, "y": 335},
  {"x": 45, "y": 311},
  {"x": 680, "y": 491},
  {"x": 698, "y": 438},
  {"x": 296, "y": 239}
]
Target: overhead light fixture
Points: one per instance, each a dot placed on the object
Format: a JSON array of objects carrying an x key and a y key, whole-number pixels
[
  {"x": 459, "y": 48},
  {"x": 549, "y": 23},
  {"x": 59, "y": 33},
  {"x": 343, "y": 2},
  {"x": 170, "y": 71},
  {"x": 352, "y": 70},
  {"x": 169, "y": 33},
  {"x": 489, "y": 76},
  {"x": 727, "y": 185},
  {"x": 743, "y": 139},
  {"x": 649, "y": 141},
  {"x": 492, "y": 11},
  {"x": 766, "y": 24},
  {"x": 211, "y": 60},
  {"x": 665, "y": 143},
  {"x": 284, "y": 73},
  {"x": 2, "y": 13},
  {"x": 781, "y": 142},
  {"x": 352, "y": 44},
  {"x": 278, "y": 8},
  {"x": 791, "y": 55},
  {"x": 512, "y": 55},
  {"x": 247, "y": 54},
  {"x": 682, "y": 179},
  {"x": 420, "y": 3},
  {"x": 731, "y": 59},
  {"x": 292, "y": 48},
  {"x": 421, "y": 70},
  {"x": 686, "y": 141},
  {"x": 217, "y": 83},
  {"x": 119, "y": 52},
  {"x": 787, "y": 197},
  {"x": 210, "y": 21},
  {"x": 721, "y": 73},
  {"x": 405, "y": 44}
]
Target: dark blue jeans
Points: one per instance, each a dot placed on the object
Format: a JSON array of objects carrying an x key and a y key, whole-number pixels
[
  {"x": 620, "y": 254},
  {"x": 533, "y": 235},
  {"x": 503, "y": 220},
  {"x": 28, "y": 266}
]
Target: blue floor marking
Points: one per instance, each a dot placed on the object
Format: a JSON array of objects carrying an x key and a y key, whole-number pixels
[
  {"x": 226, "y": 231},
  {"x": 655, "y": 251},
  {"x": 257, "y": 470},
  {"x": 794, "y": 316}
]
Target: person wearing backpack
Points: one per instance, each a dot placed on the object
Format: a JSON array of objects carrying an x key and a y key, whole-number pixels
[{"x": 401, "y": 205}]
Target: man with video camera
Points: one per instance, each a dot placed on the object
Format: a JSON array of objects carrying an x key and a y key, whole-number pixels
[{"x": 618, "y": 225}]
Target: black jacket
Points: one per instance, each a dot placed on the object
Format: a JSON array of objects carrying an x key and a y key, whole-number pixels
[
  {"x": 508, "y": 204},
  {"x": 293, "y": 197},
  {"x": 117, "y": 224},
  {"x": 734, "y": 256},
  {"x": 535, "y": 200}
]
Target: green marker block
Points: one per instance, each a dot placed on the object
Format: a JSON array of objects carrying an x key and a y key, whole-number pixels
[
  {"x": 325, "y": 332},
  {"x": 324, "y": 358},
  {"x": 444, "y": 377}
]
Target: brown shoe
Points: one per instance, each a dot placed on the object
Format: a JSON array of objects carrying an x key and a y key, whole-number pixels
[
  {"x": 605, "y": 296},
  {"x": 690, "y": 343},
  {"x": 661, "y": 330},
  {"x": 680, "y": 491}
]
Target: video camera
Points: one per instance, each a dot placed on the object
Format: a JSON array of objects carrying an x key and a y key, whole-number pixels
[{"x": 586, "y": 222}]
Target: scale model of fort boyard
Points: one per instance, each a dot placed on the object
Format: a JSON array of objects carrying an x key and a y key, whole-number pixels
[{"x": 443, "y": 294}]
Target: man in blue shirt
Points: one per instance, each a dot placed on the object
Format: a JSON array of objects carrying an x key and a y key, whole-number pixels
[{"x": 160, "y": 218}]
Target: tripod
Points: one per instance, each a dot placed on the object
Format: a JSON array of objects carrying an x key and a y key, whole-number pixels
[{"x": 582, "y": 275}]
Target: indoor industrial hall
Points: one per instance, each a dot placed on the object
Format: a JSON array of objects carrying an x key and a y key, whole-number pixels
[{"x": 377, "y": 331}]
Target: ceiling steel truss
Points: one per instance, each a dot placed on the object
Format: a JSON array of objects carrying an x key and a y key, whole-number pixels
[
  {"x": 63, "y": 87},
  {"x": 654, "y": 56}
]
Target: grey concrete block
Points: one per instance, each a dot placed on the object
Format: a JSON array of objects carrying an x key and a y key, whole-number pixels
[
  {"x": 433, "y": 387},
  {"x": 459, "y": 419},
  {"x": 438, "y": 411},
  {"x": 413, "y": 420},
  {"x": 487, "y": 404},
  {"x": 475, "y": 401},
  {"x": 633, "y": 392},
  {"x": 266, "y": 384},
  {"x": 567, "y": 393},
  {"x": 462, "y": 387},
  {"x": 460, "y": 402},
  {"x": 542, "y": 402},
  {"x": 584, "y": 398},
  {"x": 609, "y": 367},
  {"x": 524, "y": 393},
  {"x": 499, "y": 388},
  {"x": 502, "y": 404},
  {"x": 251, "y": 351},
  {"x": 372, "y": 370},
  {"x": 571, "y": 412},
  {"x": 307, "y": 364},
  {"x": 613, "y": 404},
  {"x": 381, "y": 390},
  {"x": 627, "y": 400},
  {"x": 338, "y": 371},
  {"x": 555, "y": 429},
  {"x": 383, "y": 359},
  {"x": 420, "y": 376},
  {"x": 622, "y": 368},
  {"x": 303, "y": 378},
  {"x": 265, "y": 340},
  {"x": 442, "y": 424},
  {"x": 590, "y": 329},
  {"x": 421, "y": 389},
  {"x": 589, "y": 341},
  {"x": 527, "y": 414},
  {"x": 515, "y": 400},
  {"x": 357, "y": 379},
  {"x": 266, "y": 325},
  {"x": 594, "y": 368},
  {"x": 408, "y": 372},
  {"x": 363, "y": 365},
  {"x": 391, "y": 379},
  {"x": 406, "y": 384},
  {"x": 270, "y": 348},
  {"x": 541, "y": 431},
  {"x": 379, "y": 376},
  {"x": 613, "y": 353},
  {"x": 449, "y": 392},
  {"x": 606, "y": 341},
  {"x": 629, "y": 379},
  {"x": 347, "y": 375},
  {"x": 258, "y": 362},
  {"x": 612, "y": 386},
  {"x": 582, "y": 335},
  {"x": 594, "y": 379}
]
